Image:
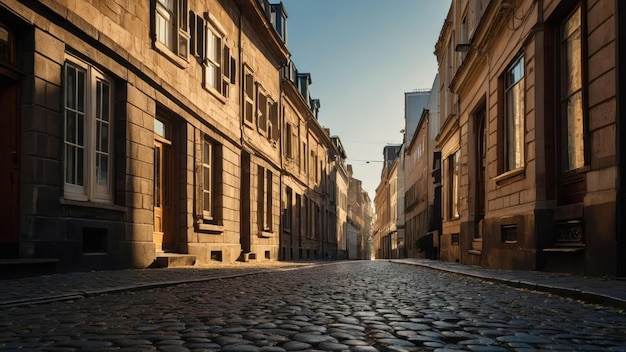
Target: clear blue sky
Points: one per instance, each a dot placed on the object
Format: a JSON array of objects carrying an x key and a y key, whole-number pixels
[{"x": 363, "y": 55}]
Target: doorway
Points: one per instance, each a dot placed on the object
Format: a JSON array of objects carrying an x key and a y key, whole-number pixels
[
  {"x": 480, "y": 178},
  {"x": 165, "y": 238},
  {"x": 9, "y": 164}
]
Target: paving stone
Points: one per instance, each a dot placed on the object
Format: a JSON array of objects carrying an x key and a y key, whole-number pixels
[
  {"x": 332, "y": 346},
  {"x": 296, "y": 346},
  {"x": 370, "y": 306},
  {"x": 313, "y": 338}
]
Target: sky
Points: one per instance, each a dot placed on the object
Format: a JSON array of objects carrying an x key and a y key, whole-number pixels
[{"x": 363, "y": 55}]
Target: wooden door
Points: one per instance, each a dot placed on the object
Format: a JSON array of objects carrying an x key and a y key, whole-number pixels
[{"x": 161, "y": 199}]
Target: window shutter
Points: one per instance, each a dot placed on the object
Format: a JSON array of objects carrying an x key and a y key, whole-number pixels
[
  {"x": 233, "y": 70},
  {"x": 226, "y": 63},
  {"x": 274, "y": 121},
  {"x": 196, "y": 29}
]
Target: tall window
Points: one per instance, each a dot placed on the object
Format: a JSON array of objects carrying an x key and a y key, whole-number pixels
[
  {"x": 453, "y": 185},
  {"x": 213, "y": 63},
  {"x": 289, "y": 141},
  {"x": 514, "y": 116},
  {"x": 219, "y": 67},
  {"x": 88, "y": 127},
  {"x": 207, "y": 180},
  {"x": 265, "y": 199},
  {"x": 171, "y": 27},
  {"x": 288, "y": 208},
  {"x": 573, "y": 136}
]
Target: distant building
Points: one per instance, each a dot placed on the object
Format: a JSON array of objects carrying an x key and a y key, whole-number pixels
[{"x": 385, "y": 230}]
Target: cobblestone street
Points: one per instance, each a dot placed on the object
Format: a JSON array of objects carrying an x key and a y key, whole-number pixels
[{"x": 348, "y": 306}]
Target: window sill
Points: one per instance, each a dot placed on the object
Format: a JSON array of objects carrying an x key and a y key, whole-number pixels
[
  {"x": 509, "y": 175},
  {"x": 169, "y": 54},
  {"x": 475, "y": 252},
  {"x": 215, "y": 93},
  {"x": 266, "y": 234},
  {"x": 88, "y": 204},
  {"x": 210, "y": 228}
]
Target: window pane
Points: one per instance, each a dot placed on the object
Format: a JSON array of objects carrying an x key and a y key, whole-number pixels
[
  {"x": 80, "y": 167},
  {"x": 575, "y": 136},
  {"x": 102, "y": 170},
  {"x": 5, "y": 45},
  {"x": 206, "y": 201},
  {"x": 514, "y": 117},
  {"x": 207, "y": 153},
  {"x": 70, "y": 87},
  {"x": 103, "y": 101},
  {"x": 159, "y": 128},
  {"x": 80, "y": 129},
  {"x": 70, "y": 127},
  {"x": 573, "y": 64},
  {"x": 80, "y": 92},
  {"x": 70, "y": 164}
]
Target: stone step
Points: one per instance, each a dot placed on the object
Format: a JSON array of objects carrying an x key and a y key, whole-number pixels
[
  {"x": 26, "y": 267},
  {"x": 169, "y": 260}
]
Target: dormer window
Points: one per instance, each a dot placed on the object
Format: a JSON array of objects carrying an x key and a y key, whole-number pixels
[
  {"x": 304, "y": 80},
  {"x": 279, "y": 20}
]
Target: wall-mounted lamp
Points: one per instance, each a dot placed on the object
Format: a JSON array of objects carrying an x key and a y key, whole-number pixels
[{"x": 463, "y": 48}]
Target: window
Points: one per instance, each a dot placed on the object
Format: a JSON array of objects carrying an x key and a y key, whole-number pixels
[
  {"x": 170, "y": 22},
  {"x": 514, "y": 116},
  {"x": 7, "y": 44},
  {"x": 249, "y": 96},
  {"x": 572, "y": 123},
  {"x": 453, "y": 186},
  {"x": 289, "y": 141},
  {"x": 265, "y": 199},
  {"x": 279, "y": 20},
  {"x": 288, "y": 208},
  {"x": 219, "y": 67},
  {"x": 207, "y": 180},
  {"x": 208, "y": 176},
  {"x": 88, "y": 127}
]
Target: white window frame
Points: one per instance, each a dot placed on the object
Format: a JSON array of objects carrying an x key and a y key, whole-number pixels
[
  {"x": 208, "y": 179},
  {"x": 92, "y": 129},
  {"x": 171, "y": 29}
]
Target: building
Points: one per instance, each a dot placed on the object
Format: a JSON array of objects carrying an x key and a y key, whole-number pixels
[
  {"x": 530, "y": 139},
  {"x": 157, "y": 131},
  {"x": 360, "y": 215},
  {"x": 341, "y": 179},
  {"x": 385, "y": 230},
  {"x": 416, "y": 163}
]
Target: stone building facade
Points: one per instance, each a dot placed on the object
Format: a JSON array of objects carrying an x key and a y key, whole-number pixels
[
  {"x": 153, "y": 128},
  {"x": 530, "y": 138},
  {"x": 385, "y": 231}
]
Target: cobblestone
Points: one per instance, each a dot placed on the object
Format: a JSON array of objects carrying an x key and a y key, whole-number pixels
[{"x": 350, "y": 306}]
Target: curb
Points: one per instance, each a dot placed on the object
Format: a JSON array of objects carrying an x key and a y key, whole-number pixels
[
  {"x": 145, "y": 286},
  {"x": 586, "y": 296}
]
